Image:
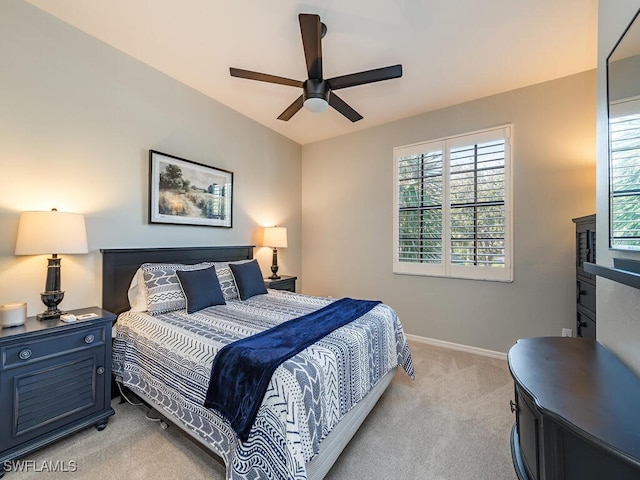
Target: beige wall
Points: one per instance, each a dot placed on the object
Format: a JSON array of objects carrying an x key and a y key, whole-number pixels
[
  {"x": 77, "y": 119},
  {"x": 618, "y": 306},
  {"x": 347, "y": 198}
]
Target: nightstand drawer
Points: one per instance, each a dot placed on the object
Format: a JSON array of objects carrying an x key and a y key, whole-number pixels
[{"x": 21, "y": 353}]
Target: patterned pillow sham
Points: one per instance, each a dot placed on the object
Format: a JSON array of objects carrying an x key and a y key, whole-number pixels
[
  {"x": 163, "y": 289},
  {"x": 227, "y": 282}
]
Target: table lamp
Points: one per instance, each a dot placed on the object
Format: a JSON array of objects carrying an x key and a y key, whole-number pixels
[
  {"x": 275, "y": 237},
  {"x": 53, "y": 233}
]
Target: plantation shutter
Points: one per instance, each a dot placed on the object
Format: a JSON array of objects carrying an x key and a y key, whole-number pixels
[
  {"x": 452, "y": 213},
  {"x": 420, "y": 206},
  {"x": 418, "y": 234}
]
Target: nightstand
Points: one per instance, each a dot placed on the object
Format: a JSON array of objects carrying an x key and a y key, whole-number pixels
[
  {"x": 55, "y": 379},
  {"x": 285, "y": 282}
]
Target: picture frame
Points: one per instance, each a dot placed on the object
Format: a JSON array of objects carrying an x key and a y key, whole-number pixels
[{"x": 182, "y": 192}]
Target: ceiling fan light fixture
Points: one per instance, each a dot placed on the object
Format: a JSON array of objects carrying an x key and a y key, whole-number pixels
[
  {"x": 316, "y": 95},
  {"x": 316, "y": 105}
]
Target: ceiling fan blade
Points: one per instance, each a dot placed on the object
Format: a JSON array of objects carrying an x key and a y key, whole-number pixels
[
  {"x": 263, "y": 77},
  {"x": 341, "y": 106},
  {"x": 292, "y": 109},
  {"x": 369, "y": 76},
  {"x": 311, "y": 30}
]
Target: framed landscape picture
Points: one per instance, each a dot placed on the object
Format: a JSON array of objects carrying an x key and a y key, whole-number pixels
[{"x": 188, "y": 193}]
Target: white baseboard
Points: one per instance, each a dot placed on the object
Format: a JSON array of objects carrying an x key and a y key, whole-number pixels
[{"x": 457, "y": 346}]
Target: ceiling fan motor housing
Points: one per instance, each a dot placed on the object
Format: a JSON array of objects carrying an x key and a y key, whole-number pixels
[{"x": 314, "y": 88}]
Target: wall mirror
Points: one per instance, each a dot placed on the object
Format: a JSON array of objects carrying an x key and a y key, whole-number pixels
[{"x": 623, "y": 89}]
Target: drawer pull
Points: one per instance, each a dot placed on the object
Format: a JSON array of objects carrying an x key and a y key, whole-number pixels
[
  {"x": 514, "y": 406},
  {"x": 24, "y": 354},
  {"x": 100, "y": 370},
  {"x": 89, "y": 338}
]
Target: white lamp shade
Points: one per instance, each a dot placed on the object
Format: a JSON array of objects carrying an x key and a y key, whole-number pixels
[
  {"x": 275, "y": 237},
  {"x": 51, "y": 232}
]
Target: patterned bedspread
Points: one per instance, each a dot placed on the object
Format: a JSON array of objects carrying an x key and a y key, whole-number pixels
[{"x": 168, "y": 358}]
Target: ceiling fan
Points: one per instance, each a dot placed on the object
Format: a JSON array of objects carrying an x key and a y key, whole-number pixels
[{"x": 317, "y": 92}]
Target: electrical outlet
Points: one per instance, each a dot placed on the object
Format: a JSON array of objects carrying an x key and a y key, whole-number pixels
[{"x": 567, "y": 332}]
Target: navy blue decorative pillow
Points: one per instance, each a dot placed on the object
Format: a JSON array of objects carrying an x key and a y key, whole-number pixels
[
  {"x": 200, "y": 288},
  {"x": 248, "y": 279}
]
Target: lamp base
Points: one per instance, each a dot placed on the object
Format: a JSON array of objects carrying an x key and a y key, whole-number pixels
[
  {"x": 51, "y": 299},
  {"x": 274, "y": 266}
]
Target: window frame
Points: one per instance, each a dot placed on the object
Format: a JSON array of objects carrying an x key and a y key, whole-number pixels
[{"x": 445, "y": 268}]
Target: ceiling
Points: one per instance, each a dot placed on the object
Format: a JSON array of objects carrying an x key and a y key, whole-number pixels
[{"x": 451, "y": 51}]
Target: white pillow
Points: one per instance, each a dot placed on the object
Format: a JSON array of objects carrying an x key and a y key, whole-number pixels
[{"x": 137, "y": 292}]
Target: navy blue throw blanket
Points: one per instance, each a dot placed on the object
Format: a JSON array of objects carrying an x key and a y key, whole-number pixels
[{"x": 241, "y": 370}]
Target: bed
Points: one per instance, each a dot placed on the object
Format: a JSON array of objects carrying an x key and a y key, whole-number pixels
[{"x": 315, "y": 401}]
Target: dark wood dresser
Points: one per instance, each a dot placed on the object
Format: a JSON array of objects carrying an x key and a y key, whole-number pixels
[
  {"x": 585, "y": 281},
  {"x": 577, "y": 411}
]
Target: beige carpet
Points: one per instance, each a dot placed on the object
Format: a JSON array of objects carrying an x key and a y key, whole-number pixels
[{"x": 452, "y": 423}]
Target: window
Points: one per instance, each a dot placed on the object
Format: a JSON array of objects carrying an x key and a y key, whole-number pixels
[
  {"x": 624, "y": 177},
  {"x": 452, "y": 212}
]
